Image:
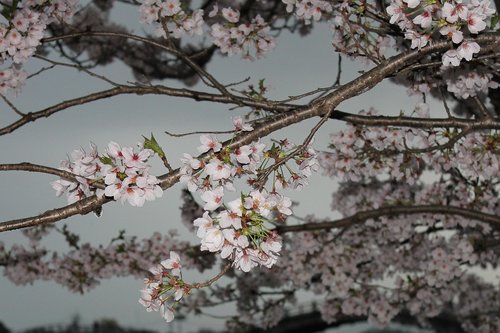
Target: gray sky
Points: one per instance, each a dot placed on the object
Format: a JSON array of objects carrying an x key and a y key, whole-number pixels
[{"x": 295, "y": 66}]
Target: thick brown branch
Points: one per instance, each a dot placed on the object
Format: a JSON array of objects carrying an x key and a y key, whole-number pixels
[
  {"x": 81, "y": 207},
  {"x": 361, "y": 217}
]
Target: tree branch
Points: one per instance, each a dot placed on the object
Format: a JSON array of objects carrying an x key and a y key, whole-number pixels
[
  {"x": 81, "y": 207},
  {"x": 141, "y": 90},
  {"x": 426, "y": 123},
  {"x": 361, "y": 217}
]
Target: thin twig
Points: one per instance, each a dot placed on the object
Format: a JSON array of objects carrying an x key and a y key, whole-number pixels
[
  {"x": 339, "y": 71},
  {"x": 212, "y": 280},
  {"x": 166, "y": 163},
  {"x": 238, "y": 82},
  {"x": 142, "y": 90},
  {"x": 196, "y": 132},
  {"x": 263, "y": 178},
  {"x": 483, "y": 111},
  {"x": 78, "y": 67},
  {"x": 194, "y": 66},
  {"x": 40, "y": 71},
  {"x": 12, "y": 106},
  {"x": 446, "y": 107},
  {"x": 306, "y": 94}
]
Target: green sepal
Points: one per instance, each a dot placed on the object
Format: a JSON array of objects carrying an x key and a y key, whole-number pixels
[
  {"x": 494, "y": 20},
  {"x": 153, "y": 145}
]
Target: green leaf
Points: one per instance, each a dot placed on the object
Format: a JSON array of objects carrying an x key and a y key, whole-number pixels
[
  {"x": 106, "y": 160},
  {"x": 153, "y": 145}
]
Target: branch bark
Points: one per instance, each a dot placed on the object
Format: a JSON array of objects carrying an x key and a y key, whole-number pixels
[{"x": 81, "y": 207}]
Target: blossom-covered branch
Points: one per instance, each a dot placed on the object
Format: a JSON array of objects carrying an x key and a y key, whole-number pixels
[{"x": 274, "y": 123}]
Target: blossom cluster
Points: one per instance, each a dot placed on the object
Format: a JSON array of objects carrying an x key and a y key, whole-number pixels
[
  {"x": 237, "y": 229},
  {"x": 24, "y": 32},
  {"x": 465, "y": 83},
  {"x": 125, "y": 174},
  {"x": 12, "y": 78},
  {"x": 308, "y": 10},
  {"x": 444, "y": 267},
  {"x": 410, "y": 265},
  {"x": 425, "y": 21},
  {"x": 164, "y": 287},
  {"x": 233, "y": 38},
  {"x": 353, "y": 31},
  {"x": 240, "y": 235},
  {"x": 85, "y": 265},
  {"x": 359, "y": 152},
  {"x": 168, "y": 18}
]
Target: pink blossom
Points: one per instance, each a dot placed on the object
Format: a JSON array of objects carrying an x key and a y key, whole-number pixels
[
  {"x": 396, "y": 11},
  {"x": 217, "y": 170},
  {"x": 424, "y": 19},
  {"x": 173, "y": 263},
  {"x": 452, "y": 12},
  {"x": 451, "y": 32},
  {"x": 213, "y": 240},
  {"x": 148, "y": 301},
  {"x": 167, "y": 313},
  {"x": 170, "y": 7},
  {"x": 136, "y": 160},
  {"x": 203, "y": 223},
  {"x": 238, "y": 123},
  {"x": 214, "y": 11},
  {"x": 209, "y": 142},
  {"x": 412, "y": 3},
  {"x": 230, "y": 219},
  {"x": 467, "y": 49},
  {"x": 213, "y": 198},
  {"x": 231, "y": 15},
  {"x": 475, "y": 23},
  {"x": 451, "y": 57},
  {"x": 243, "y": 154}
]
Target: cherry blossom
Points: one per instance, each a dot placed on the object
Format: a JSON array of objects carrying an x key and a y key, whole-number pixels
[{"x": 209, "y": 142}]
